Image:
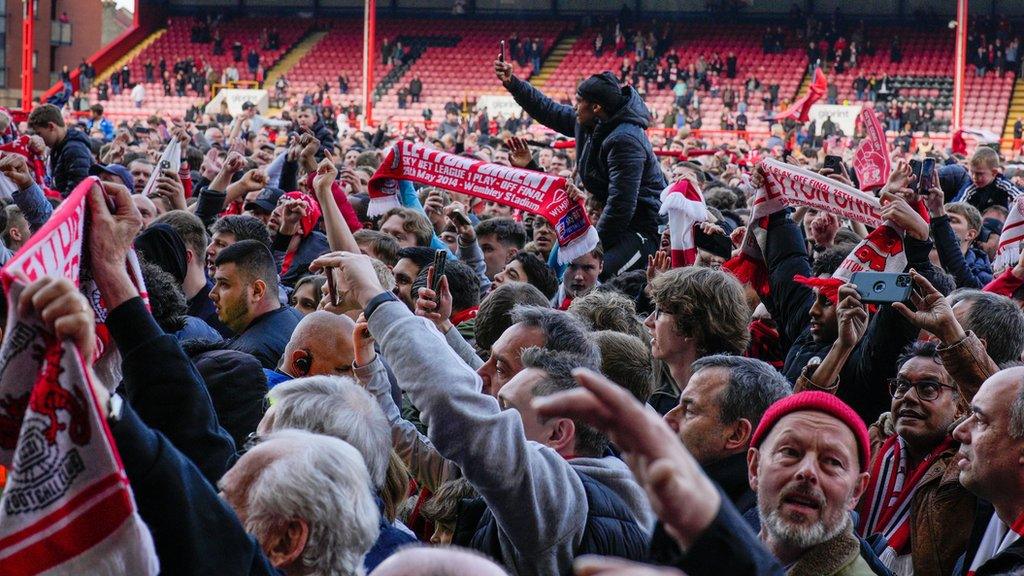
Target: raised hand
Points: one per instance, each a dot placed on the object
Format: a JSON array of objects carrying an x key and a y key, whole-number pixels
[
  {"x": 503, "y": 70},
  {"x": 362, "y": 343},
  {"x": 64, "y": 312},
  {"x": 16, "y": 169},
  {"x": 169, "y": 187},
  {"x": 519, "y": 152},
  {"x": 326, "y": 174},
  {"x": 112, "y": 231},
  {"x": 896, "y": 209},
  {"x": 932, "y": 311},
  {"x": 355, "y": 274},
  {"x": 437, "y": 310},
  {"x": 659, "y": 262},
  {"x": 851, "y": 315}
]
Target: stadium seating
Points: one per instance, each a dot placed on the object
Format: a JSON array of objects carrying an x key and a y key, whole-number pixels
[
  {"x": 447, "y": 72},
  {"x": 176, "y": 44},
  {"x": 455, "y": 62},
  {"x": 924, "y": 74}
]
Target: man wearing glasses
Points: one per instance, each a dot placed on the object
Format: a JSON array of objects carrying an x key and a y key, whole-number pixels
[{"x": 914, "y": 506}]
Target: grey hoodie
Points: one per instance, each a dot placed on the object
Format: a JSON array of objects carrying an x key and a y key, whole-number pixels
[{"x": 534, "y": 493}]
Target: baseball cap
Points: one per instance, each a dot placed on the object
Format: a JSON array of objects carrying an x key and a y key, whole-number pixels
[
  {"x": 266, "y": 200},
  {"x": 114, "y": 170}
]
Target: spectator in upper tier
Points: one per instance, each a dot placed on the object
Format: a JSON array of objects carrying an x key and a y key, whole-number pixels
[
  {"x": 70, "y": 149},
  {"x": 245, "y": 292}
]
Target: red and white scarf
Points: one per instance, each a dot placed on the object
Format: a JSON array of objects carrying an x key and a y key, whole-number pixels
[
  {"x": 871, "y": 159},
  {"x": 67, "y": 507},
  {"x": 526, "y": 190},
  {"x": 684, "y": 204},
  {"x": 885, "y": 508},
  {"x": 1008, "y": 251},
  {"x": 787, "y": 185},
  {"x": 997, "y": 537}
]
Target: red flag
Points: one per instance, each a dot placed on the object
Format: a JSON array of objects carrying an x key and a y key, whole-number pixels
[{"x": 801, "y": 109}]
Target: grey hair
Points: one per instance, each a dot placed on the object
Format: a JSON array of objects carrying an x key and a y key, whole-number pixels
[
  {"x": 753, "y": 386},
  {"x": 336, "y": 406},
  {"x": 558, "y": 367},
  {"x": 995, "y": 319},
  {"x": 563, "y": 332},
  {"x": 323, "y": 481}
]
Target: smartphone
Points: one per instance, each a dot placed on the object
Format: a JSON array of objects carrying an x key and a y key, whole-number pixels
[
  {"x": 882, "y": 287},
  {"x": 440, "y": 260},
  {"x": 460, "y": 219},
  {"x": 915, "y": 168},
  {"x": 834, "y": 163},
  {"x": 501, "y": 54},
  {"x": 332, "y": 287},
  {"x": 928, "y": 176}
]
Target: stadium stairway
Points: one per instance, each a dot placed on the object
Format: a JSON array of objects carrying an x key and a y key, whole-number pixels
[
  {"x": 555, "y": 57},
  {"x": 1016, "y": 111},
  {"x": 417, "y": 46},
  {"x": 292, "y": 57},
  {"x": 103, "y": 75}
]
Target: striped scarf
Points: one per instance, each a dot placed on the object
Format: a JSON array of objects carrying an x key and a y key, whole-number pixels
[{"x": 886, "y": 507}]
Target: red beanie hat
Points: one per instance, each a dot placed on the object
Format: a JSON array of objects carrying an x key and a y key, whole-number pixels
[{"x": 814, "y": 401}]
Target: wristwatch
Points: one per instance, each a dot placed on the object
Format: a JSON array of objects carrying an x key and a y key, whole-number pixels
[{"x": 371, "y": 306}]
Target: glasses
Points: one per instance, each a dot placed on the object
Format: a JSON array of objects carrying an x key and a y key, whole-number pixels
[
  {"x": 250, "y": 442},
  {"x": 927, "y": 390}
]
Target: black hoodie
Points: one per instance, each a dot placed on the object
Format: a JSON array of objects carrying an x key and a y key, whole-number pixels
[{"x": 617, "y": 163}]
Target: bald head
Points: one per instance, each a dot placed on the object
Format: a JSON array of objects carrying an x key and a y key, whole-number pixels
[
  {"x": 424, "y": 561},
  {"x": 320, "y": 345}
]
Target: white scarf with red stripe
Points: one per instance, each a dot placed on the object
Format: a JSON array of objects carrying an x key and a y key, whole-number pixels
[
  {"x": 997, "y": 538},
  {"x": 684, "y": 204},
  {"x": 886, "y": 506},
  {"x": 1008, "y": 251},
  {"x": 67, "y": 507},
  {"x": 787, "y": 185}
]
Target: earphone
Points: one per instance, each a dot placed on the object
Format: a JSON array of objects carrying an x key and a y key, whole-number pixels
[{"x": 304, "y": 362}]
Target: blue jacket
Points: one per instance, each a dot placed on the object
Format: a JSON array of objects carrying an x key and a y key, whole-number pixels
[
  {"x": 106, "y": 127},
  {"x": 970, "y": 270},
  {"x": 610, "y": 528},
  {"x": 310, "y": 248},
  {"x": 70, "y": 160},
  {"x": 389, "y": 540},
  {"x": 616, "y": 161},
  {"x": 267, "y": 335},
  {"x": 196, "y": 329},
  {"x": 957, "y": 186}
]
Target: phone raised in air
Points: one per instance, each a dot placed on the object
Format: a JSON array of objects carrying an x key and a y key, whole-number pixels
[
  {"x": 501, "y": 54},
  {"x": 929, "y": 178},
  {"x": 460, "y": 218},
  {"x": 882, "y": 287},
  {"x": 835, "y": 164},
  {"x": 440, "y": 260}
]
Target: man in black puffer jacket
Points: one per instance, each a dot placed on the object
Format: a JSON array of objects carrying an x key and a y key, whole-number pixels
[
  {"x": 616, "y": 162},
  {"x": 70, "y": 149}
]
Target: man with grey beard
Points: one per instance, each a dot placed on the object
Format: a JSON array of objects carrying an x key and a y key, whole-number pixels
[{"x": 808, "y": 464}]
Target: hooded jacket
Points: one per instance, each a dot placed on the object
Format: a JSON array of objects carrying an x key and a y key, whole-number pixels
[
  {"x": 70, "y": 160},
  {"x": 536, "y": 496},
  {"x": 616, "y": 161}
]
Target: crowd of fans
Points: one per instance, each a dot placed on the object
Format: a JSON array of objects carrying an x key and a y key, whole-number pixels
[{"x": 304, "y": 398}]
